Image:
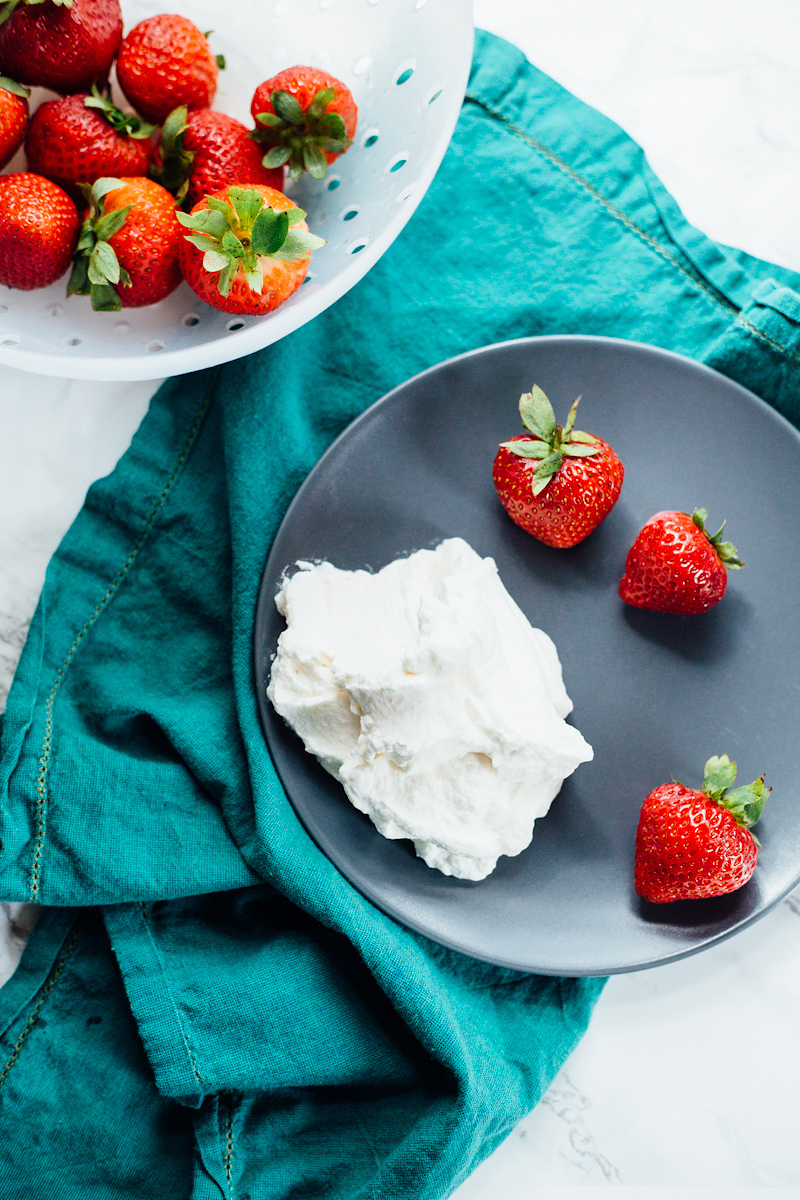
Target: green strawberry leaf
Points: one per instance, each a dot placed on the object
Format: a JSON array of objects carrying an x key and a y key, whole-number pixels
[
  {"x": 527, "y": 449},
  {"x": 270, "y": 234},
  {"x": 220, "y": 61},
  {"x": 577, "y": 435},
  {"x": 221, "y": 207},
  {"x": 214, "y": 261},
  {"x": 299, "y": 244},
  {"x": 566, "y": 433},
  {"x": 104, "y": 298},
  {"x": 276, "y": 157},
  {"x": 255, "y": 280},
  {"x": 226, "y": 277},
  {"x": 127, "y": 123},
  {"x": 231, "y": 244},
  {"x": 11, "y": 85},
  {"x": 314, "y": 161},
  {"x": 333, "y": 126},
  {"x": 101, "y": 187},
  {"x": 103, "y": 264},
  {"x": 537, "y": 414},
  {"x": 727, "y": 552},
  {"x": 248, "y": 203},
  {"x": 318, "y": 105},
  {"x": 545, "y": 471},
  {"x": 747, "y": 803},
  {"x": 718, "y": 775},
  {"x": 286, "y": 107},
  {"x": 202, "y": 243},
  {"x": 78, "y": 284},
  {"x": 271, "y": 120},
  {"x": 111, "y": 223}
]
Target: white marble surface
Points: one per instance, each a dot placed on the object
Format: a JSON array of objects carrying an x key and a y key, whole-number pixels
[{"x": 684, "y": 1087}]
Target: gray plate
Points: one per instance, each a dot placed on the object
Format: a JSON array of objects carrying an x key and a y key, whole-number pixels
[{"x": 655, "y": 695}]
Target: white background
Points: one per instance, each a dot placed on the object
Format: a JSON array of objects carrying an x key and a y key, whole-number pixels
[{"x": 684, "y": 1087}]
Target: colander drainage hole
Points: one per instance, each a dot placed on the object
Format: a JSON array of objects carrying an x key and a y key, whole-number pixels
[
  {"x": 234, "y": 325},
  {"x": 3, "y": 308},
  {"x": 154, "y": 347},
  {"x": 435, "y": 96},
  {"x": 11, "y": 340},
  {"x": 359, "y": 246},
  {"x": 333, "y": 183},
  {"x": 401, "y": 162},
  {"x": 191, "y": 319},
  {"x": 351, "y": 212},
  {"x": 404, "y": 76},
  {"x": 74, "y": 341},
  {"x": 55, "y": 310},
  {"x": 370, "y": 138}
]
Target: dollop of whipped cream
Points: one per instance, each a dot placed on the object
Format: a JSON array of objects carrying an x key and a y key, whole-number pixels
[{"x": 425, "y": 690}]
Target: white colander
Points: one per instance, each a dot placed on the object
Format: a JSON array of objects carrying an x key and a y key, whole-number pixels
[{"x": 406, "y": 62}]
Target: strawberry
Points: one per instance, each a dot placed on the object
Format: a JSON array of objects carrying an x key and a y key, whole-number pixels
[
  {"x": 248, "y": 250},
  {"x": 13, "y": 118},
  {"x": 692, "y": 845},
  {"x": 202, "y": 151},
  {"x": 128, "y": 248},
  {"x": 306, "y": 117},
  {"x": 165, "y": 61},
  {"x": 561, "y": 483},
  {"x": 66, "y": 45},
  {"x": 675, "y": 566},
  {"x": 82, "y": 138},
  {"x": 38, "y": 230}
]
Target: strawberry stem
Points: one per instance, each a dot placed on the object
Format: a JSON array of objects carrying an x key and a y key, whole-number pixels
[
  {"x": 298, "y": 138},
  {"x": 558, "y": 441},
  {"x": 745, "y": 803},
  {"x": 725, "y": 551}
]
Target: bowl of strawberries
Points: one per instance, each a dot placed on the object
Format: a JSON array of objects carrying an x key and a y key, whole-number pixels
[{"x": 179, "y": 190}]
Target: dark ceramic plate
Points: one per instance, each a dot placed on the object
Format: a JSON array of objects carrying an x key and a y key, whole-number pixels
[{"x": 655, "y": 695}]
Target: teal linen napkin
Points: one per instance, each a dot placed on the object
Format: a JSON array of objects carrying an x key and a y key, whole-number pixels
[{"x": 318, "y": 1048}]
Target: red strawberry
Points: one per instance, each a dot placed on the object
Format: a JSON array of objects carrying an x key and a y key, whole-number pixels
[
  {"x": 692, "y": 845},
  {"x": 675, "y": 566},
  {"x": 306, "y": 117},
  {"x": 13, "y": 118},
  {"x": 128, "y": 248},
  {"x": 248, "y": 250},
  {"x": 166, "y": 61},
  {"x": 561, "y": 483},
  {"x": 204, "y": 150},
  {"x": 81, "y": 138},
  {"x": 38, "y": 230},
  {"x": 66, "y": 47}
]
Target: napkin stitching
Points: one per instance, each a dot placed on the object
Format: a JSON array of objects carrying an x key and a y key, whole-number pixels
[
  {"x": 759, "y": 333},
  {"x": 654, "y": 244},
  {"x": 617, "y": 213},
  {"x": 227, "y": 1158},
  {"x": 111, "y": 590},
  {"x": 49, "y": 984},
  {"x": 171, "y": 990}
]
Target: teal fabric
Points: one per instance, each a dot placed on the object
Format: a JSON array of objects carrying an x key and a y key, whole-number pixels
[{"x": 272, "y": 1034}]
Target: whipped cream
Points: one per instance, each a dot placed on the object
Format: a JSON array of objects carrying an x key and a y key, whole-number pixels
[{"x": 425, "y": 690}]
